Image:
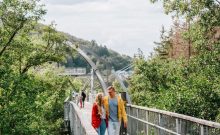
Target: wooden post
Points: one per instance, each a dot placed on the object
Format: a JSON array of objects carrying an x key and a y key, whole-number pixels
[
  {"x": 147, "y": 119},
  {"x": 201, "y": 130}
]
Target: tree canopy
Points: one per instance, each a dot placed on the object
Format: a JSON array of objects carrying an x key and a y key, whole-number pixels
[
  {"x": 31, "y": 93},
  {"x": 189, "y": 84}
]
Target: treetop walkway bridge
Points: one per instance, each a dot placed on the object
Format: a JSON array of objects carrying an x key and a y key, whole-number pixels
[{"x": 141, "y": 120}]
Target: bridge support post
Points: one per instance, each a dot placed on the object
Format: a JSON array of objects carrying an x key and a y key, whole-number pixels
[
  {"x": 178, "y": 126},
  {"x": 92, "y": 80},
  {"x": 92, "y": 92},
  {"x": 147, "y": 119},
  {"x": 201, "y": 130},
  {"x": 66, "y": 129}
]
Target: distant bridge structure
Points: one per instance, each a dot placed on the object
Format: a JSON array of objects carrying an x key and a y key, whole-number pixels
[{"x": 74, "y": 72}]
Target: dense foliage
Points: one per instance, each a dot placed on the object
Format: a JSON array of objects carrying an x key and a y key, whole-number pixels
[
  {"x": 192, "y": 89},
  {"x": 189, "y": 85},
  {"x": 31, "y": 95}
]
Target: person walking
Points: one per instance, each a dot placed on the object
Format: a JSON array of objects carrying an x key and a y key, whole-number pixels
[
  {"x": 99, "y": 121},
  {"x": 78, "y": 100},
  {"x": 115, "y": 111},
  {"x": 83, "y": 95}
]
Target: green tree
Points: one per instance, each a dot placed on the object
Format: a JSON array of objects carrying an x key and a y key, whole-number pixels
[
  {"x": 185, "y": 86},
  {"x": 164, "y": 47},
  {"x": 31, "y": 98}
]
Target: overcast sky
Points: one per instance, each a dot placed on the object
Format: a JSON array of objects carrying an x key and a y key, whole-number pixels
[{"x": 122, "y": 25}]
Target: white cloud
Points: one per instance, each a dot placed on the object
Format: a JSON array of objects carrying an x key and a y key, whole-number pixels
[{"x": 122, "y": 25}]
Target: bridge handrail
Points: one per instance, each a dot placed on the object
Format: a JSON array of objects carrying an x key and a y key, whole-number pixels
[
  {"x": 180, "y": 116},
  {"x": 154, "y": 125},
  {"x": 79, "y": 126}
]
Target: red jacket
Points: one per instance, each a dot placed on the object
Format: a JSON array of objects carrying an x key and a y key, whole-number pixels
[{"x": 96, "y": 119}]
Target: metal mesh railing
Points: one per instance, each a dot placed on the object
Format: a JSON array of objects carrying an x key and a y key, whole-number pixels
[{"x": 147, "y": 121}]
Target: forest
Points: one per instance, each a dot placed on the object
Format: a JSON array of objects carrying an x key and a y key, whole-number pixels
[{"x": 183, "y": 74}]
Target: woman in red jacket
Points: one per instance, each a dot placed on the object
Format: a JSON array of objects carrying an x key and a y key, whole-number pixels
[{"x": 99, "y": 121}]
